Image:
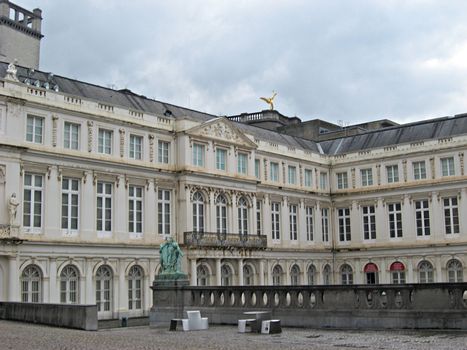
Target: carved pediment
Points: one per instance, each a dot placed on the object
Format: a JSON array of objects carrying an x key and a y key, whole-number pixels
[{"x": 223, "y": 130}]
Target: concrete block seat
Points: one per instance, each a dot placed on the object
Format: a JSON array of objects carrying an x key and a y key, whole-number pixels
[
  {"x": 195, "y": 322},
  {"x": 246, "y": 325},
  {"x": 271, "y": 327},
  {"x": 174, "y": 322}
]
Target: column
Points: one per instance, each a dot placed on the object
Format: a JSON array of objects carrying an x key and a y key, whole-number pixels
[
  {"x": 287, "y": 273},
  {"x": 89, "y": 291},
  {"x": 218, "y": 272},
  {"x": 193, "y": 276},
  {"x": 189, "y": 210},
  {"x": 382, "y": 234},
  {"x": 120, "y": 214},
  {"x": 261, "y": 272},
  {"x": 234, "y": 226},
  {"x": 463, "y": 209},
  {"x": 122, "y": 291},
  {"x": 301, "y": 227},
  {"x": 408, "y": 220},
  {"x": 13, "y": 279},
  {"x": 52, "y": 203},
  {"x": 355, "y": 223},
  {"x": 269, "y": 273},
  {"x": 436, "y": 217},
  {"x": 211, "y": 207},
  {"x": 54, "y": 288},
  {"x": 87, "y": 220},
  {"x": 150, "y": 211},
  {"x": 438, "y": 273},
  {"x": 266, "y": 216},
  {"x": 317, "y": 225},
  {"x": 240, "y": 272},
  {"x": 285, "y": 228},
  {"x": 252, "y": 227}
]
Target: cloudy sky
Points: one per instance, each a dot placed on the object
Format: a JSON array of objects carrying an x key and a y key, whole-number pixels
[{"x": 331, "y": 59}]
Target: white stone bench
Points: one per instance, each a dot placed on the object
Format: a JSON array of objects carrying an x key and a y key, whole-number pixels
[
  {"x": 195, "y": 322},
  {"x": 271, "y": 327},
  {"x": 246, "y": 325}
]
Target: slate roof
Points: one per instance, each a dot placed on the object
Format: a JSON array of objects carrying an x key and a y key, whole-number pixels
[{"x": 418, "y": 131}]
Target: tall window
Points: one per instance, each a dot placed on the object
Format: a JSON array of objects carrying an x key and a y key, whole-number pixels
[
  {"x": 295, "y": 275},
  {"x": 392, "y": 172},
  {"x": 451, "y": 215},
  {"x": 455, "y": 271},
  {"x": 323, "y": 180},
  {"x": 419, "y": 170},
  {"x": 221, "y": 214},
  {"x": 221, "y": 156},
  {"x": 69, "y": 285},
  {"x": 346, "y": 274},
  {"x": 309, "y": 223},
  {"x": 343, "y": 216},
  {"x": 71, "y": 136},
  {"x": 34, "y": 129},
  {"x": 105, "y": 141},
  {"x": 198, "y": 212},
  {"x": 327, "y": 274},
  {"x": 274, "y": 171},
  {"x": 104, "y": 207},
  {"x": 367, "y": 177},
  {"x": 248, "y": 276},
  {"x": 422, "y": 216},
  {"x": 198, "y": 154},
  {"x": 70, "y": 205},
  {"x": 311, "y": 274},
  {"x": 277, "y": 273},
  {"x": 242, "y": 163},
  {"x": 447, "y": 166},
  {"x": 308, "y": 178},
  {"x": 257, "y": 169},
  {"x": 135, "y": 215},
  {"x": 292, "y": 175},
  {"x": 258, "y": 218},
  {"x": 325, "y": 224},
  {"x": 293, "y": 222},
  {"x": 395, "y": 220},
  {"x": 342, "y": 181},
  {"x": 242, "y": 216},
  {"x": 369, "y": 222},
  {"x": 163, "y": 152},
  {"x": 135, "y": 281},
  {"x": 32, "y": 202},
  {"x": 425, "y": 270},
  {"x": 275, "y": 220},
  {"x": 202, "y": 276},
  {"x": 397, "y": 273},
  {"x": 103, "y": 288},
  {"x": 31, "y": 285},
  {"x": 226, "y": 275},
  {"x": 136, "y": 147},
  {"x": 163, "y": 211}
]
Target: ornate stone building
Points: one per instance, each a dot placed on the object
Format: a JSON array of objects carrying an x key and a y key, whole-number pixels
[{"x": 92, "y": 180}]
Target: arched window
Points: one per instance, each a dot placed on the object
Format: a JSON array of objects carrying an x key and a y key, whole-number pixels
[
  {"x": 311, "y": 274},
  {"x": 103, "y": 288},
  {"x": 242, "y": 216},
  {"x": 198, "y": 212},
  {"x": 31, "y": 284},
  {"x": 135, "y": 282},
  {"x": 346, "y": 274},
  {"x": 295, "y": 275},
  {"x": 226, "y": 275},
  {"x": 221, "y": 214},
  {"x": 248, "y": 278},
  {"x": 425, "y": 270},
  {"x": 371, "y": 273},
  {"x": 69, "y": 285},
  {"x": 327, "y": 274},
  {"x": 277, "y": 275},
  {"x": 455, "y": 271},
  {"x": 202, "y": 276},
  {"x": 397, "y": 272}
]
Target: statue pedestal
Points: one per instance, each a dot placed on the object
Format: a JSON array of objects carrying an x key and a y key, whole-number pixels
[{"x": 169, "y": 298}]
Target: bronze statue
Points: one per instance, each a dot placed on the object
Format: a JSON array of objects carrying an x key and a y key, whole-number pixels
[
  {"x": 170, "y": 256},
  {"x": 270, "y": 100}
]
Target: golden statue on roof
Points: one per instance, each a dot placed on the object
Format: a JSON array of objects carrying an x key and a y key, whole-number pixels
[{"x": 269, "y": 100}]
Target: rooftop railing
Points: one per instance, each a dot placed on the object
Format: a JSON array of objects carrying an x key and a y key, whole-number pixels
[{"x": 224, "y": 240}]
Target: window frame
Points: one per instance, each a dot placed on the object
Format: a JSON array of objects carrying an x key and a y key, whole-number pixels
[
  {"x": 68, "y": 129},
  {"x": 198, "y": 154},
  {"x": 34, "y": 189},
  {"x": 392, "y": 173},
  {"x": 105, "y": 141},
  {"x": 163, "y": 152},
  {"x": 164, "y": 211},
  {"x": 221, "y": 164},
  {"x": 344, "y": 225},
  {"x": 104, "y": 232},
  {"x": 276, "y": 221},
  {"x": 135, "y": 214},
  {"x": 133, "y": 151},
  {"x": 34, "y": 136},
  {"x": 366, "y": 177},
  {"x": 69, "y": 192},
  {"x": 342, "y": 180}
]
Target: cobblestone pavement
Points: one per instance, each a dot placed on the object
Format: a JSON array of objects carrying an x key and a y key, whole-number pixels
[{"x": 15, "y": 335}]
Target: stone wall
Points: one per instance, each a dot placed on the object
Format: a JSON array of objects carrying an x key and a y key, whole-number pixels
[{"x": 61, "y": 315}]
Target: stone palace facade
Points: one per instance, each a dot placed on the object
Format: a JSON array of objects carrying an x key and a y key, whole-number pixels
[{"x": 92, "y": 180}]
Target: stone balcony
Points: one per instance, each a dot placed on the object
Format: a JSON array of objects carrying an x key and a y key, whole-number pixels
[{"x": 224, "y": 240}]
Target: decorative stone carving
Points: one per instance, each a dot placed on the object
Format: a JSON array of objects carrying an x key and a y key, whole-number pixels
[
  {"x": 90, "y": 134},
  {"x": 151, "y": 148},
  {"x": 352, "y": 174},
  {"x": 122, "y": 142},
  {"x": 404, "y": 169},
  {"x": 461, "y": 161},
  {"x": 378, "y": 174},
  {"x": 432, "y": 166},
  {"x": 5, "y": 231},
  {"x": 301, "y": 174},
  {"x": 11, "y": 72},
  {"x": 2, "y": 174},
  {"x": 265, "y": 169},
  {"x": 12, "y": 208},
  {"x": 221, "y": 131},
  {"x": 54, "y": 130},
  {"x": 284, "y": 178}
]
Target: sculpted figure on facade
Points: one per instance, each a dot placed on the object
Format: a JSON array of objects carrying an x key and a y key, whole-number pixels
[
  {"x": 11, "y": 72},
  {"x": 12, "y": 208},
  {"x": 170, "y": 256}
]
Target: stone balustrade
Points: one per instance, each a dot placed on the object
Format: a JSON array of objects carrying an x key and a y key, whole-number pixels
[{"x": 224, "y": 240}]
